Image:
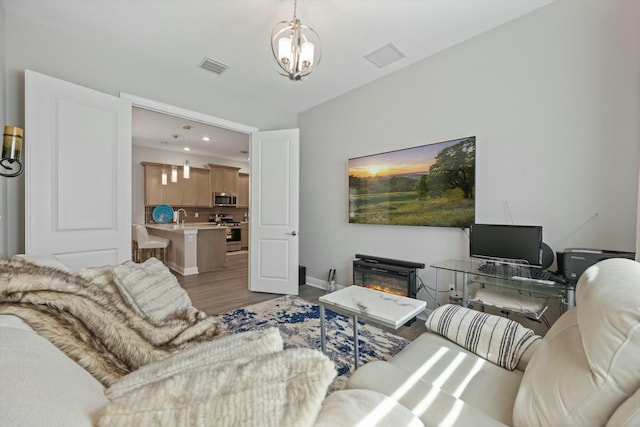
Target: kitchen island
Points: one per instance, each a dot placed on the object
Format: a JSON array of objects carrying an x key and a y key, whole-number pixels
[{"x": 194, "y": 248}]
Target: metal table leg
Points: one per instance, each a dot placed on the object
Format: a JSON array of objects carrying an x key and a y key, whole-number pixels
[
  {"x": 323, "y": 343},
  {"x": 356, "y": 352}
]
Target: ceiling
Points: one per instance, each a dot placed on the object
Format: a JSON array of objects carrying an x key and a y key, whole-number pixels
[
  {"x": 178, "y": 34},
  {"x": 160, "y": 131}
]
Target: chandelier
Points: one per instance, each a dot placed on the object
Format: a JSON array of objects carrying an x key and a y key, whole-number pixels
[{"x": 295, "y": 47}]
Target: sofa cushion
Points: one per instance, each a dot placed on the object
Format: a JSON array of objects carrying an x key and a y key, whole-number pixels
[
  {"x": 433, "y": 360},
  {"x": 433, "y": 405},
  {"x": 151, "y": 289},
  {"x": 497, "y": 339},
  {"x": 39, "y": 383},
  {"x": 627, "y": 414},
  {"x": 364, "y": 408},
  {"x": 587, "y": 364}
]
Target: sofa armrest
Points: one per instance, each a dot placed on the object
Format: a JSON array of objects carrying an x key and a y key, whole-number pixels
[
  {"x": 432, "y": 405},
  {"x": 527, "y": 355}
]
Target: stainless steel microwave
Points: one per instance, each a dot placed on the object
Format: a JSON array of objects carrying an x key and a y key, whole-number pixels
[{"x": 225, "y": 199}]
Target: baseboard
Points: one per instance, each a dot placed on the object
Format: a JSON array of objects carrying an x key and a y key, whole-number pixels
[{"x": 319, "y": 283}]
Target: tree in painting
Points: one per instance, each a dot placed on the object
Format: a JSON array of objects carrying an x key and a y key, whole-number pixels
[{"x": 455, "y": 167}]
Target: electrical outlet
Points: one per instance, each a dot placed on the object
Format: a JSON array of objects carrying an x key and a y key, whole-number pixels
[
  {"x": 451, "y": 287},
  {"x": 196, "y": 214}
]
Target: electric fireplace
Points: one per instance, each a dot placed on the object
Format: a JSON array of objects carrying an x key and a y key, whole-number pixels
[{"x": 394, "y": 276}]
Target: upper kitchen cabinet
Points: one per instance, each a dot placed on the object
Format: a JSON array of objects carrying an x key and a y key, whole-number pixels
[
  {"x": 223, "y": 179},
  {"x": 194, "y": 191},
  {"x": 203, "y": 194},
  {"x": 243, "y": 190}
]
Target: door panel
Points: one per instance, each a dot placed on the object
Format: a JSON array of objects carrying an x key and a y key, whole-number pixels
[
  {"x": 78, "y": 182},
  {"x": 274, "y": 208}
]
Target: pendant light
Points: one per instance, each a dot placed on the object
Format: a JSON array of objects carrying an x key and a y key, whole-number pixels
[
  {"x": 164, "y": 176},
  {"x": 185, "y": 170},
  {"x": 295, "y": 47},
  {"x": 174, "y": 173}
]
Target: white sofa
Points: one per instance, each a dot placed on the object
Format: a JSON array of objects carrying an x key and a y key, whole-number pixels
[{"x": 584, "y": 372}]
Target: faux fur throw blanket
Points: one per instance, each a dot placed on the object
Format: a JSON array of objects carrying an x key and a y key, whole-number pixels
[
  {"x": 497, "y": 339},
  {"x": 89, "y": 320}
]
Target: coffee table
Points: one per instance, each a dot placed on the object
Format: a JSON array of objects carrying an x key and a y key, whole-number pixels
[{"x": 372, "y": 306}]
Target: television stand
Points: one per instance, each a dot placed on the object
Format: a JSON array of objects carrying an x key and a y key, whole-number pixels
[{"x": 502, "y": 289}]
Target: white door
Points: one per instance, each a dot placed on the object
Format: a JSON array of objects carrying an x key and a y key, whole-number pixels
[
  {"x": 77, "y": 173},
  {"x": 273, "y": 258}
]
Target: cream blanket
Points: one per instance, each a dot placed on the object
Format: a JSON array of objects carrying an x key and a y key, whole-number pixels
[{"x": 89, "y": 320}]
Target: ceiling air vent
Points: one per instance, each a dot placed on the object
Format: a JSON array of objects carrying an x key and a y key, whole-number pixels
[
  {"x": 213, "y": 66},
  {"x": 385, "y": 55}
]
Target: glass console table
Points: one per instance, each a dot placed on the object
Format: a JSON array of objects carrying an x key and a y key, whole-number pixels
[{"x": 503, "y": 285}]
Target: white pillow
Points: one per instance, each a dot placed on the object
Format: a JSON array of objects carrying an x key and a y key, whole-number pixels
[
  {"x": 497, "y": 339},
  {"x": 150, "y": 289}
]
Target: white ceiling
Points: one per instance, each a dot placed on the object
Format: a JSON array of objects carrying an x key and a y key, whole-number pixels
[
  {"x": 159, "y": 131},
  {"x": 178, "y": 34}
]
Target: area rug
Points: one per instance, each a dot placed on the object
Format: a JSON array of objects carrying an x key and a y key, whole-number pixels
[{"x": 299, "y": 324}]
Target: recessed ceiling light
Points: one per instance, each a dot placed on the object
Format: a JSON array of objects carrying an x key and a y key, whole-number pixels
[
  {"x": 206, "y": 138},
  {"x": 187, "y": 149},
  {"x": 186, "y": 127}
]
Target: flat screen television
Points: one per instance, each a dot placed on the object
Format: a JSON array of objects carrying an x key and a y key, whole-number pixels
[
  {"x": 511, "y": 242},
  {"x": 429, "y": 185}
]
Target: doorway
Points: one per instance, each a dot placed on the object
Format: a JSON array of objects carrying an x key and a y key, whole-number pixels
[{"x": 161, "y": 133}]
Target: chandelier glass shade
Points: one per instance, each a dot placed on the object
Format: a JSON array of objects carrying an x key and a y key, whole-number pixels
[{"x": 296, "y": 48}]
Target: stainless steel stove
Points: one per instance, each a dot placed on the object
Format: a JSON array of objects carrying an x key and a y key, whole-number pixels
[{"x": 234, "y": 231}]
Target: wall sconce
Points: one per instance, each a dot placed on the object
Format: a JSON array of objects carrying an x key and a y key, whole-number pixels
[{"x": 11, "y": 151}]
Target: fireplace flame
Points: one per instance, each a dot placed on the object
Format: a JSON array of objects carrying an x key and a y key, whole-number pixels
[{"x": 386, "y": 289}]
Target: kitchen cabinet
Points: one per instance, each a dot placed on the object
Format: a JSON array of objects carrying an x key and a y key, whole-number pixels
[
  {"x": 223, "y": 179},
  {"x": 194, "y": 191},
  {"x": 244, "y": 236},
  {"x": 203, "y": 188},
  {"x": 243, "y": 190},
  {"x": 153, "y": 191}
]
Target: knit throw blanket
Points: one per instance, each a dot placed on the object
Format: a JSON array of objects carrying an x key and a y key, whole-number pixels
[
  {"x": 497, "y": 339},
  {"x": 88, "y": 318}
]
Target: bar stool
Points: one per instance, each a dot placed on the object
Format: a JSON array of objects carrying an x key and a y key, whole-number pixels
[{"x": 154, "y": 246}]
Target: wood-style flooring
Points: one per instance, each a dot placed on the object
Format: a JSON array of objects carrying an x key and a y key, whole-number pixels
[{"x": 226, "y": 288}]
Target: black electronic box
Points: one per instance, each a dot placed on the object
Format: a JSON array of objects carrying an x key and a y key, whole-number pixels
[{"x": 574, "y": 261}]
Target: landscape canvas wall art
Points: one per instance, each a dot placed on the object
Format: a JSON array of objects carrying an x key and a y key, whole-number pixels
[{"x": 430, "y": 185}]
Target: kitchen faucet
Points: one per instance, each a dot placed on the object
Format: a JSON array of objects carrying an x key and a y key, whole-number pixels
[{"x": 178, "y": 216}]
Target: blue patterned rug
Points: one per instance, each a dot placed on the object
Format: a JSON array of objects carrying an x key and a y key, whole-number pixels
[{"x": 299, "y": 324}]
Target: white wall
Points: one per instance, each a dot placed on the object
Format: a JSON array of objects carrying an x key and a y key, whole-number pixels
[
  {"x": 93, "y": 63},
  {"x": 139, "y": 154},
  {"x": 3, "y": 110},
  {"x": 553, "y": 99}
]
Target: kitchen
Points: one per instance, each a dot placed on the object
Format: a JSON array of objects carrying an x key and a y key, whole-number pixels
[{"x": 214, "y": 197}]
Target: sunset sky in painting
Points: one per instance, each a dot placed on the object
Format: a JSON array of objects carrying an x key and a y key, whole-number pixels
[{"x": 400, "y": 162}]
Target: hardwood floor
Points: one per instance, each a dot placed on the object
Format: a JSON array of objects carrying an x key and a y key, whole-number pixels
[{"x": 226, "y": 288}]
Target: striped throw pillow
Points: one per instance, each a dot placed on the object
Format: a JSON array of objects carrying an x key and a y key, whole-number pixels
[{"x": 497, "y": 339}]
